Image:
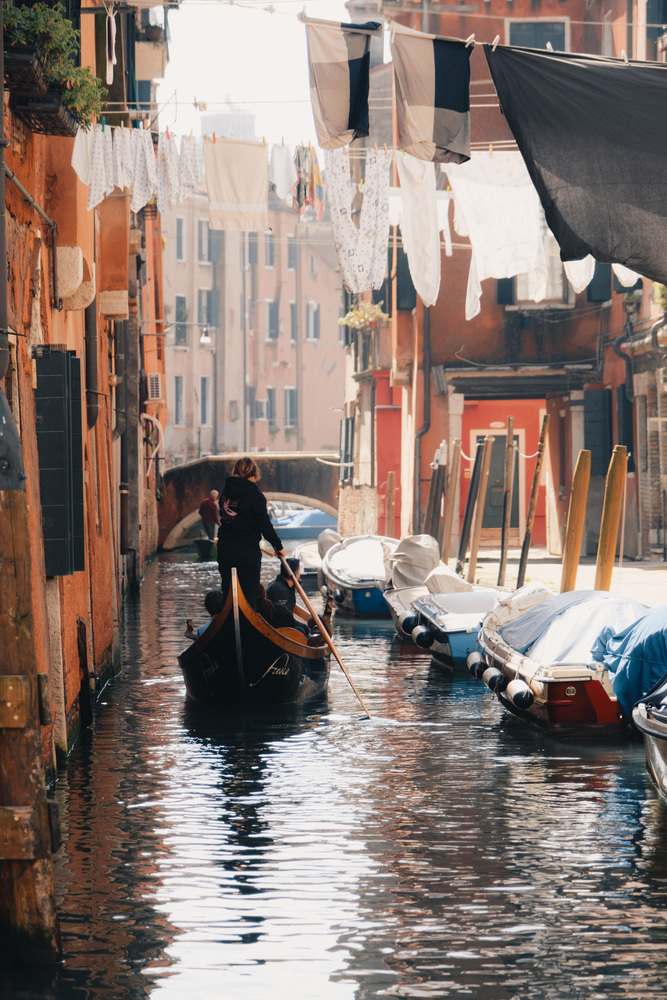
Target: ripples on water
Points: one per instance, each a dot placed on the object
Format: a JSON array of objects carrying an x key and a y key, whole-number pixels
[{"x": 439, "y": 850}]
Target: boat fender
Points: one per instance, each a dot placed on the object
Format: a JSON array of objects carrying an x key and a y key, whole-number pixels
[
  {"x": 407, "y": 621},
  {"x": 476, "y": 664},
  {"x": 494, "y": 679},
  {"x": 519, "y": 694},
  {"x": 422, "y": 637},
  {"x": 339, "y": 596}
]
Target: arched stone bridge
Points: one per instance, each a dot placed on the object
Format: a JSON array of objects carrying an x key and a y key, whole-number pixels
[{"x": 297, "y": 477}]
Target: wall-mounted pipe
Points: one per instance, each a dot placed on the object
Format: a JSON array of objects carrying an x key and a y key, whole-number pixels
[
  {"x": 92, "y": 381},
  {"x": 627, "y": 360},
  {"x": 160, "y": 439},
  {"x": 55, "y": 301},
  {"x": 119, "y": 371}
]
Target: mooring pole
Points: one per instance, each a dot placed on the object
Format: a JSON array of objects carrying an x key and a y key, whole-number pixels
[
  {"x": 528, "y": 537},
  {"x": 479, "y": 506},
  {"x": 451, "y": 495},
  {"x": 469, "y": 508},
  {"x": 508, "y": 491},
  {"x": 576, "y": 516},
  {"x": 611, "y": 514}
]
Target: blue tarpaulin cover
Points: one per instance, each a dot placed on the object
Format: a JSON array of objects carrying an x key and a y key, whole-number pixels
[
  {"x": 563, "y": 628},
  {"x": 635, "y": 657}
]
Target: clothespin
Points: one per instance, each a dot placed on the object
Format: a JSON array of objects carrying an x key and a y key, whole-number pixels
[
  {"x": 104, "y": 121},
  {"x": 214, "y": 137},
  {"x": 550, "y": 47},
  {"x": 490, "y": 149},
  {"x": 168, "y": 136},
  {"x": 625, "y": 57},
  {"x": 494, "y": 43},
  {"x": 470, "y": 41},
  {"x": 190, "y": 135},
  {"x": 376, "y": 148},
  {"x": 385, "y": 148},
  {"x": 282, "y": 140},
  {"x": 264, "y": 140}
]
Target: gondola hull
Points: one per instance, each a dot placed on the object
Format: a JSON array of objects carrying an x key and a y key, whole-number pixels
[
  {"x": 241, "y": 660},
  {"x": 650, "y": 717}
]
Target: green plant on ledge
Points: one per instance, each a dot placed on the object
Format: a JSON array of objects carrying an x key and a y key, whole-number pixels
[{"x": 59, "y": 41}]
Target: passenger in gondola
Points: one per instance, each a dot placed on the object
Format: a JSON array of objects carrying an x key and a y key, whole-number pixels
[
  {"x": 214, "y": 602},
  {"x": 244, "y": 519}
]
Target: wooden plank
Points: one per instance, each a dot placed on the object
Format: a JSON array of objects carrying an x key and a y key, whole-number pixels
[
  {"x": 17, "y": 833},
  {"x": 14, "y": 701}
]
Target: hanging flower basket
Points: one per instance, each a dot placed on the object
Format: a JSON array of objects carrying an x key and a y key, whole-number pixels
[
  {"x": 46, "y": 114},
  {"x": 24, "y": 69}
]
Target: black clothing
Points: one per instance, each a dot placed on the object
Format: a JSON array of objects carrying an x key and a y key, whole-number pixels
[
  {"x": 244, "y": 518},
  {"x": 280, "y": 592}
]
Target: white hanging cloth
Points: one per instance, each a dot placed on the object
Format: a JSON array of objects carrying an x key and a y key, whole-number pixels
[
  {"x": 81, "y": 154},
  {"x": 501, "y": 209},
  {"x": 580, "y": 273},
  {"x": 419, "y": 226},
  {"x": 101, "y": 166},
  {"x": 282, "y": 170},
  {"x": 168, "y": 177},
  {"x": 144, "y": 186},
  {"x": 188, "y": 167},
  {"x": 362, "y": 251},
  {"x": 237, "y": 182},
  {"x": 110, "y": 46}
]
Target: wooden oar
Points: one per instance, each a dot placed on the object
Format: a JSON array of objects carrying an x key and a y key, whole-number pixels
[{"x": 325, "y": 635}]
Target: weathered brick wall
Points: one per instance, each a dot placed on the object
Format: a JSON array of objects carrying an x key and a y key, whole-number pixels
[{"x": 357, "y": 511}]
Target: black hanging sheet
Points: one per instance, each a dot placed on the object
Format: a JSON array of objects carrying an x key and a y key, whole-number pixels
[{"x": 592, "y": 132}]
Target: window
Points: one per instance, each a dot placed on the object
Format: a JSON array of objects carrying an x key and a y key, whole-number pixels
[
  {"x": 598, "y": 429},
  {"x": 250, "y": 392},
  {"x": 291, "y": 407},
  {"x": 203, "y": 242},
  {"x": 233, "y": 409},
  {"x": 559, "y": 293},
  {"x": 269, "y": 250},
  {"x": 346, "y": 449},
  {"x": 294, "y": 321},
  {"x": 271, "y": 405},
  {"x": 181, "y": 324},
  {"x": 261, "y": 409},
  {"x": 291, "y": 252},
  {"x": 180, "y": 239},
  {"x": 179, "y": 400},
  {"x": 207, "y": 307},
  {"x": 313, "y": 266},
  {"x": 313, "y": 320},
  {"x": 252, "y": 248},
  {"x": 536, "y": 34},
  {"x": 205, "y": 400},
  {"x": 271, "y": 322}
]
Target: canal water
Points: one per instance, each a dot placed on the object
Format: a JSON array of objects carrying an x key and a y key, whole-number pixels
[{"x": 439, "y": 850}]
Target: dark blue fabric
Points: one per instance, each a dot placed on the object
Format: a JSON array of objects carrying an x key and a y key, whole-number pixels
[
  {"x": 636, "y": 657},
  {"x": 452, "y": 75},
  {"x": 359, "y": 77}
]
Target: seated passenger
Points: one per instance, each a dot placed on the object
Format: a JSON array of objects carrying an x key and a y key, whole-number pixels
[{"x": 214, "y": 603}]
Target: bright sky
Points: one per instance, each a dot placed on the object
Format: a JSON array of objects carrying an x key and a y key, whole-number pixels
[{"x": 242, "y": 52}]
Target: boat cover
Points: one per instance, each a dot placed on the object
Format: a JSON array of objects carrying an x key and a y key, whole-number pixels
[
  {"x": 518, "y": 602},
  {"x": 563, "y": 628},
  {"x": 443, "y": 580},
  {"x": 359, "y": 561},
  {"x": 326, "y": 540},
  {"x": 305, "y": 518},
  {"x": 635, "y": 657},
  {"x": 412, "y": 560}
]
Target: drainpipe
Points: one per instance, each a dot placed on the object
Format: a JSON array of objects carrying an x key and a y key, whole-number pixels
[
  {"x": 120, "y": 430},
  {"x": 6, "y": 172},
  {"x": 92, "y": 385},
  {"x": 416, "y": 511}
]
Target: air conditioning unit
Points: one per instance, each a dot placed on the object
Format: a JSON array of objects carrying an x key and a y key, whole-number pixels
[{"x": 155, "y": 387}]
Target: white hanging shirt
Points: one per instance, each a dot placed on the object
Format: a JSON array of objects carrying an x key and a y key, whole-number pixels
[
  {"x": 419, "y": 226},
  {"x": 144, "y": 186},
  {"x": 501, "y": 211},
  {"x": 282, "y": 170}
]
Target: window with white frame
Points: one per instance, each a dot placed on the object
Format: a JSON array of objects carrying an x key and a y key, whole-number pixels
[
  {"x": 269, "y": 249},
  {"x": 291, "y": 407},
  {"x": 313, "y": 322},
  {"x": 205, "y": 400},
  {"x": 179, "y": 401},
  {"x": 261, "y": 409},
  {"x": 180, "y": 238},
  {"x": 291, "y": 252},
  {"x": 271, "y": 320},
  {"x": 207, "y": 308},
  {"x": 203, "y": 242},
  {"x": 180, "y": 319}
]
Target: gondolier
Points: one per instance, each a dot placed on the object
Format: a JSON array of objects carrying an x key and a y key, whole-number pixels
[{"x": 244, "y": 519}]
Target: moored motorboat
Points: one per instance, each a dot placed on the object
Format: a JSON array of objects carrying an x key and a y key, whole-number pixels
[
  {"x": 650, "y": 717},
  {"x": 309, "y": 557},
  {"x": 207, "y": 550},
  {"x": 541, "y": 666},
  {"x": 354, "y": 571},
  {"x": 448, "y": 624},
  {"x": 240, "y": 659}
]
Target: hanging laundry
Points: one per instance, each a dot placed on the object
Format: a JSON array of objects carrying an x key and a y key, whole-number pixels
[
  {"x": 586, "y": 127},
  {"x": 419, "y": 225},
  {"x": 101, "y": 166},
  {"x": 282, "y": 171},
  {"x": 168, "y": 178},
  {"x": 316, "y": 187},
  {"x": 303, "y": 157},
  {"x": 188, "y": 167},
  {"x": 362, "y": 250},
  {"x": 117, "y": 157},
  {"x": 124, "y": 138},
  {"x": 339, "y": 60},
  {"x": 580, "y": 272},
  {"x": 144, "y": 186},
  {"x": 432, "y": 95},
  {"x": 502, "y": 214},
  {"x": 81, "y": 154},
  {"x": 237, "y": 181},
  {"x": 111, "y": 46}
]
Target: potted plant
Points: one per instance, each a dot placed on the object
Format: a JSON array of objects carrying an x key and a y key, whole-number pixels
[{"x": 73, "y": 94}]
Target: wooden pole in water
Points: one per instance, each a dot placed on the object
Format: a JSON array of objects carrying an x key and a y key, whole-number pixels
[
  {"x": 611, "y": 514},
  {"x": 390, "y": 505},
  {"x": 450, "y": 500},
  {"x": 479, "y": 506},
  {"x": 532, "y": 506},
  {"x": 507, "y": 500},
  {"x": 439, "y": 466},
  {"x": 470, "y": 507},
  {"x": 576, "y": 516}
]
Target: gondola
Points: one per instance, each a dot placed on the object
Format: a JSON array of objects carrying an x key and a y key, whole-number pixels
[
  {"x": 650, "y": 717},
  {"x": 242, "y": 660},
  {"x": 207, "y": 550}
]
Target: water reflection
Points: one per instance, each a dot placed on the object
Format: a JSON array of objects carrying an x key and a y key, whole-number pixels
[{"x": 438, "y": 850}]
